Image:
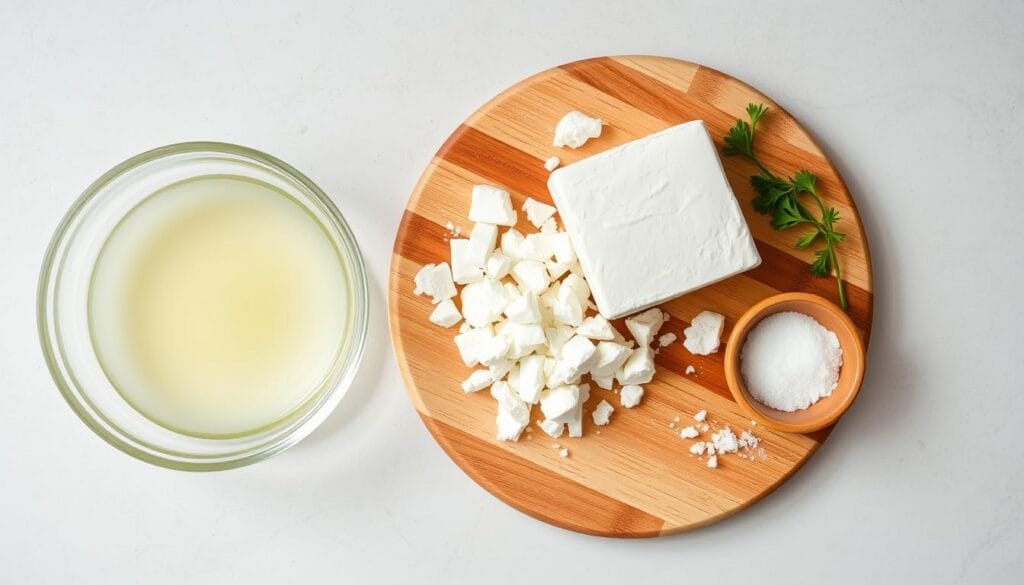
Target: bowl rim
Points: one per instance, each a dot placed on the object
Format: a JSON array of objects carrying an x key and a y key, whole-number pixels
[
  {"x": 318, "y": 410},
  {"x": 734, "y": 379}
]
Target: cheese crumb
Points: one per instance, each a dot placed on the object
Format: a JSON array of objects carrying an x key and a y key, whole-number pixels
[
  {"x": 575, "y": 128},
  {"x": 713, "y": 461},
  {"x": 435, "y": 280},
  {"x": 564, "y": 452},
  {"x": 445, "y": 314},
  {"x": 552, "y": 163},
  {"x": 697, "y": 448},
  {"x": 688, "y": 433},
  {"x": 536, "y": 212},
  {"x": 700, "y": 416},
  {"x": 630, "y": 395},
  {"x": 602, "y": 413},
  {"x": 690, "y": 370},
  {"x": 491, "y": 205},
  {"x": 667, "y": 339},
  {"x": 703, "y": 336}
]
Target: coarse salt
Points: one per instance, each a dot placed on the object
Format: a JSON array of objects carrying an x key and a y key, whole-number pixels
[{"x": 790, "y": 361}]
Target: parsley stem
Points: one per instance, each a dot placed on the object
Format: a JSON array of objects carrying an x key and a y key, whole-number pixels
[{"x": 839, "y": 277}]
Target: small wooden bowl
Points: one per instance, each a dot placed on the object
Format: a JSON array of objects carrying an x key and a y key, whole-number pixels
[{"x": 823, "y": 412}]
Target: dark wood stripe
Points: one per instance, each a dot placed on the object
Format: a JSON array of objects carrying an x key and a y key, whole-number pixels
[
  {"x": 786, "y": 273},
  {"x": 496, "y": 161},
  {"x": 424, "y": 241},
  {"x": 532, "y": 489}
]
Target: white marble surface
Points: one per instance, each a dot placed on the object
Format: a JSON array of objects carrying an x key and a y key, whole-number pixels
[{"x": 918, "y": 103}]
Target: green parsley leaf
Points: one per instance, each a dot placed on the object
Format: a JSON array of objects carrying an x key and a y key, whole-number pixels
[
  {"x": 779, "y": 197},
  {"x": 821, "y": 265},
  {"x": 803, "y": 242}
]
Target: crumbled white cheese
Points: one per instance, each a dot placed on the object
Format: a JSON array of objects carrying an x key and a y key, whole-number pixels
[
  {"x": 556, "y": 269},
  {"x": 513, "y": 413},
  {"x": 638, "y": 369},
  {"x": 555, "y": 402},
  {"x": 689, "y": 433},
  {"x": 713, "y": 461},
  {"x": 564, "y": 452},
  {"x": 602, "y": 413},
  {"x": 610, "y": 357},
  {"x": 704, "y": 333},
  {"x": 435, "y": 280},
  {"x": 536, "y": 212},
  {"x": 532, "y": 275},
  {"x": 537, "y": 247},
  {"x": 604, "y": 383},
  {"x": 697, "y": 448},
  {"x": 531, "y": 378},
  {"x": 561, "y": 245},
  {"x": 575, "y": 128},
  {"x": 552, "y": 163},
  {"x": 689, "y": 370},
  {"x": 631, "y": 395},
  {"x": 524, "y": 309},
  {"x": 645, "y": 326},
  {"x": 576, "y": 358},
  {"x": 478, "y": 380},
  {"x": 445, "y": 314},
  {"x": 500, "y": 368},
  {"x": 483, "y": 302},
  {"x": 482, "y": 239},
  {"x": 700, "y": 416},
  {"x": 463, "y": 270},
  {"x": 597, "y": 328},
  {"x": 512, "y": 244},
  {"x": 491, "y": 205},
  {"x": 469, "y": 344},
  {"x": 666, "y": 340},
  {"x": 552, "y": 428},
  {"x": 497, "y": 265}
]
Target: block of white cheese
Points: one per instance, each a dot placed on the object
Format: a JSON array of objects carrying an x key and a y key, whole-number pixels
[{"x": 653, "y": 219}]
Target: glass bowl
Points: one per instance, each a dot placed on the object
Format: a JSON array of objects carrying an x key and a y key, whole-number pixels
[{"x": 64, "y": 323}]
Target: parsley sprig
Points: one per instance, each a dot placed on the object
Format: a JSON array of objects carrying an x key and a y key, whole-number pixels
[{"x": 780, "y": 197}]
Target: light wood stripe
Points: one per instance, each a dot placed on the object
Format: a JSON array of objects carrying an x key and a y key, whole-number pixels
[{"x": 636, "y": 478}]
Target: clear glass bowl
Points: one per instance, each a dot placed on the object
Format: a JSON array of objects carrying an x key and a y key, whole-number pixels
[{"x": 63, "y": 315}]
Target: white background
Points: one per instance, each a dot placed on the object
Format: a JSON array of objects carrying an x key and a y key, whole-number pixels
[{"x": 918, "y": 104}]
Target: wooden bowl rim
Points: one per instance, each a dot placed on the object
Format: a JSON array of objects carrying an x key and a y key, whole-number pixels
[{"x": 853, "y": 357}]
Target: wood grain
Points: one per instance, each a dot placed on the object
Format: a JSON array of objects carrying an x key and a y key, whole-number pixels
[{"x": 636, "y": 478}]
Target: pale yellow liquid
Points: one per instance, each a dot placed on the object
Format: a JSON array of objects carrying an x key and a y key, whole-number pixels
[{"x": 217, "y": 306}]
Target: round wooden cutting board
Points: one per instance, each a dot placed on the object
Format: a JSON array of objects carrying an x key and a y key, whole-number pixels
[{"x": 635, "y": 478}]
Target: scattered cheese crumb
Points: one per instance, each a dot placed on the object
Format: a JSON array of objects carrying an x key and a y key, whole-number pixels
[
  {"x": 564, "y": 452},
  {"x": 552, "y": 163},
  {"x": 697, "y": 448},
  {"x": 689, "y": 433},
  {"x": 667, "y": 339},
  {"x": 575, "y": 128},
  {"x": 630, "y": 395},
  {"x": 690, "y": 370},
  {"x": 602, "y": 413},
  {"x": 703, "y": 336},
  {"x": 536, "y": 212},
  {"x": 700, "y": 416},
  {"x": 713, "y": 461}
]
